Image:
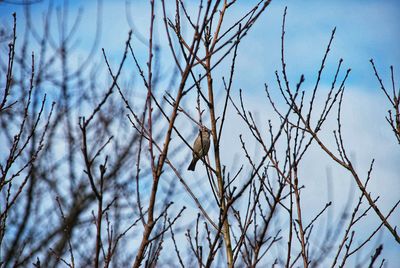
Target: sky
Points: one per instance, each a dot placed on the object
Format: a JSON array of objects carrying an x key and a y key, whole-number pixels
[{"x": 364, "y": 30}]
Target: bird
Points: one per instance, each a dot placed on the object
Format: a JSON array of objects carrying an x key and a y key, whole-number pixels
[{"x": 200, "y": 146}]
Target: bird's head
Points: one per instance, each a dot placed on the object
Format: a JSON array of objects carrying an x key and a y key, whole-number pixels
[{"x": 205, "y": 129}]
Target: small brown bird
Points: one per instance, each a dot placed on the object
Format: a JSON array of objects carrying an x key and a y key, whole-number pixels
[{"x": 200, "y": 147}]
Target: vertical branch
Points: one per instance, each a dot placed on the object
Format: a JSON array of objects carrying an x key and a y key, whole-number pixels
[
  {"x": 11, "y": 55},
  {"x": 299, "y": 218},
  {"x": 213, "y": 121},
  {"x": 99, "y": 218},
  {"x": 225, "y": 230},
  {"x": 149, "y": 94}
]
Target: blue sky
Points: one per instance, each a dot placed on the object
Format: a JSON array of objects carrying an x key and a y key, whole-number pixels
[{"x": 365, "y": 30}]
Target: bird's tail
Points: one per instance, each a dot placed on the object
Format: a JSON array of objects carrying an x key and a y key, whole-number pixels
[{"x": 192, "y": 165}]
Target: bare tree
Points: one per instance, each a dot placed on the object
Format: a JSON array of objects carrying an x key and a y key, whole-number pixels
[{"x": 97, "y": 176}]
